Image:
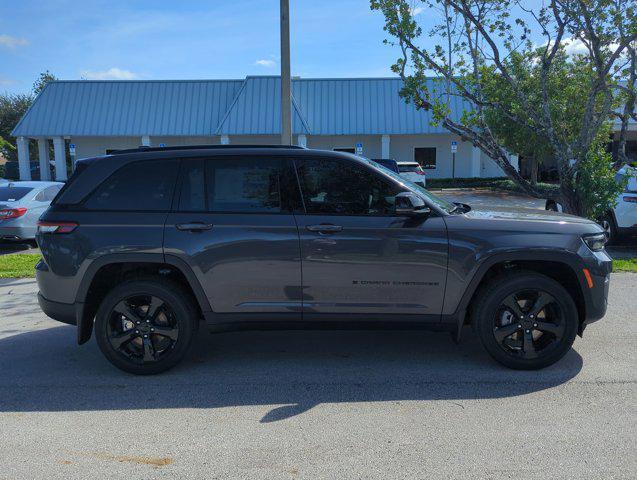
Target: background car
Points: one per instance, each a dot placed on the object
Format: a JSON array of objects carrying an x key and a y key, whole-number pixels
[
  {"x": 621, "y": 221},
  {"x": 12, "y": 170},
  {"x": 413, "y": 172},
  {"x": 3, "y": 182},
  {"x": 388, "y": 163},
  {"x": 21, "y": 204}
]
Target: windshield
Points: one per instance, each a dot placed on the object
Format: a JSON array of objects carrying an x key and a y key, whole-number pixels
[
  {"x": 439, "y": 202},
  {"x": 13, "y": 194},
  {"x": 409, "y": 168}
]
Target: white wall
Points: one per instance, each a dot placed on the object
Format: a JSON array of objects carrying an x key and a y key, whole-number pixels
[{"x": 401, "y": 148}]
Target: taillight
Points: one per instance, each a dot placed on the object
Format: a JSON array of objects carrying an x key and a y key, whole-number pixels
[
  {"x": 420, "y": 172},
  {"x": 56, "y": 227},
  {"x": 12, "y": 213},
  {"x": 630, "y": 199}
]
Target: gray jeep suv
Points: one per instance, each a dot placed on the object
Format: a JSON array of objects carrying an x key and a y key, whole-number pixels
[{"x": 142, "y": 246}]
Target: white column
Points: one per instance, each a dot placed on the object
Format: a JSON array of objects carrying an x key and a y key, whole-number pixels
[
  {"x": 146, "y": 140},
  {"x": 302, "y": 141},
  {"x": 515, "y": 161},
  {"x": 475, "y": 162},
  {"x": 23, "y": 158},
  {"x": 384, "y": 146},
  {"x": 43, "y": 154},
  {"x": 60, "y": 158},
  {"x": 225, "y": 140}
]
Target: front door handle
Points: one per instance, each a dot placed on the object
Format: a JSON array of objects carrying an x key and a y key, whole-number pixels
[
  {"x": 194, "y": 226},
  {"x": 324, "y": 228}
]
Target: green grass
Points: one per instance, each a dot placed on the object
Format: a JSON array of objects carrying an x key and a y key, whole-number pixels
[
  {"x": 628, "y": 265},
  {"x": 20, "y": 265}
]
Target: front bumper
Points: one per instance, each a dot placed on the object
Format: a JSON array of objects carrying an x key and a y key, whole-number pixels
[{"x": 600, "y": 266}]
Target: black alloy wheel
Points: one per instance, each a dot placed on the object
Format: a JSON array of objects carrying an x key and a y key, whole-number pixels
[
  {"x": 146, "y": 326},
  {"x": 142, "y": 328},
  {"x": 525, "y": 320},
  {"x": 529, "y": 323}
]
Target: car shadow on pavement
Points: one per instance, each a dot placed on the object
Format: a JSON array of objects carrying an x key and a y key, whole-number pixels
[{"x": 292, "y": 371}]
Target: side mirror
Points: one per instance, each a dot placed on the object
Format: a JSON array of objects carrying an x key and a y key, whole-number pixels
[{"x": 410, "y": 205}]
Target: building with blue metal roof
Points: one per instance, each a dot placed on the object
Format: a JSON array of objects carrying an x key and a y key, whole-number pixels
[{"x": 366, "y": 115}]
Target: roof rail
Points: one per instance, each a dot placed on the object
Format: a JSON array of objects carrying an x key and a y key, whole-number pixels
[{"x": 144, "y": 148}]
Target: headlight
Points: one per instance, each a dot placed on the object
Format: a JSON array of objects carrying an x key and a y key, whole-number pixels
[{"x": 595, "y": 241}]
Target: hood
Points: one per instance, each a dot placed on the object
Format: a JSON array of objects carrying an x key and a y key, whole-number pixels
[{"x": 526, "y": 214}]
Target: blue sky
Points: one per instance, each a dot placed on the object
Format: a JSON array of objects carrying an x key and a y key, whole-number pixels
[{"x": 160, "y": 39}]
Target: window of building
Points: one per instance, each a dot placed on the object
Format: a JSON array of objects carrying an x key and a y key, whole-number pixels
[
  {"x": 346, "y": 150},
  {"x": 331, "y": 187},
  {"x": 245, "y": 185},
  {"x": 143, "y": 186},
  {"x": 425, "y": 156}
]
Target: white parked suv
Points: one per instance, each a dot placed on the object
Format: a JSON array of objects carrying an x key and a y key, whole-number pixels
[
  {"x": 413, "y": 172},
  {"x": 622, "y": 220}
]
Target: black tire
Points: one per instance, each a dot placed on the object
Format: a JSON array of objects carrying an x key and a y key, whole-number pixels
[
  {"x": 610, "y": 228},
  {"x": 146, "y": 351},
  {"x": 535, "y": 340}
]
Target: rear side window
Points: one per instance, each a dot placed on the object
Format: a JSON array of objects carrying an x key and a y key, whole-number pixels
[
  {"x": 409, "y": 168},
  {"x": 47, "y": 194},
  {"x": 238, "y": 185},
  {"x": 192, "y": 191},
  {"x": 245, "y": 185},
  {"x": 144, "y": 186}
]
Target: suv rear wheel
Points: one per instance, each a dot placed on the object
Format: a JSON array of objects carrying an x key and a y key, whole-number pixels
[
  {"x": 525, "y": 320},
  {"x": 145, "y": 326}
]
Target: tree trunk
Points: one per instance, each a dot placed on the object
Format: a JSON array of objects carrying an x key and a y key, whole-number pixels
[{"x": 533, "y": 169}]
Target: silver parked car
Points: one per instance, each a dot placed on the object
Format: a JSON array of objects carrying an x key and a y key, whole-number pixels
[{"x": 21, "y": 204}]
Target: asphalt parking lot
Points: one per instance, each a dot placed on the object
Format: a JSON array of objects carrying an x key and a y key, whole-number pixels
[{"x": 316, "y": 405}]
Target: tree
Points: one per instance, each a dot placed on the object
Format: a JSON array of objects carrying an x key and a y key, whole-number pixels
[
  {"x": 12, "y": 109},
  {"x": 493, "y": 61},
  {"x": 43, "y": 79}
]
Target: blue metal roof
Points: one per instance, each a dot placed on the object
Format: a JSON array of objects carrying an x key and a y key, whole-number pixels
[{"x": 230, "y": 107}]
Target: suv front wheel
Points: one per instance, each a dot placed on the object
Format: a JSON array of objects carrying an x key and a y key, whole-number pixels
[
  {"x": 525, "y": 320},
  {"x": 145, "y": 326}
]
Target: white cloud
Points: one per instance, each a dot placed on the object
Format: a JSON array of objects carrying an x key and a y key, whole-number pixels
[
  {"x": 417, "y": 11},
  {"x": 574, "y": 46},
  {"x": 110, "y": 74},
  {"x": 4, "y": 81},
  {"x": 265, "y": 63},
  {"x": 12, "y": 42}
]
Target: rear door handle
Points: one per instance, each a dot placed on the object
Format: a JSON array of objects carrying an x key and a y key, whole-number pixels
[
  {"x": 194, "y": 226},
  {"x": 324, "y": 228}
]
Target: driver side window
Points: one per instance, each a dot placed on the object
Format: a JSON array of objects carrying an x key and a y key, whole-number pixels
[{"x": 333, "y": 187}]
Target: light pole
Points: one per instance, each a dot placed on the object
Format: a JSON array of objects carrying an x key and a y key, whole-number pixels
[{"x": 286, "y": 81}]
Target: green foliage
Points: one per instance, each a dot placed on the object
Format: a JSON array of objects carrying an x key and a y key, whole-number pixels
[
  {"x": 43, "y": 79},
  {"x": 595, "y": 183},
  {"x": 12, "y": 109}
]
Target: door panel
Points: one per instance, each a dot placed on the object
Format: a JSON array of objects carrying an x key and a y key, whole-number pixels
[
  {"x": 358, "y": 256},
  {"x": 373, "y": 265},
  {"x": 237, "y": 232},
  {"x": 245, "y": 263}
]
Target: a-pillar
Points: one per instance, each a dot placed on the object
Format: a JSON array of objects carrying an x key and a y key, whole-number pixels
[
  {"x": 60, "y": 159},
  {"x": 43, "y": 155},
  {"x": 384, "y": 146},
  {"x": 24, "y": 165}
]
